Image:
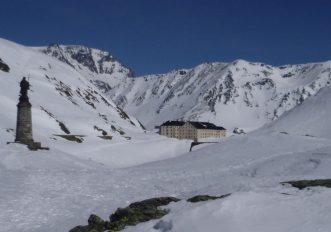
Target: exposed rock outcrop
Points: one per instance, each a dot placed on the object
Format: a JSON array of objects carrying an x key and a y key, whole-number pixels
[
  {"x": 301, "y": 184},
  {"x": 3, "y": 66},
  {"x": 134, "y": 214},
  {"x": 199, "y": 198}
]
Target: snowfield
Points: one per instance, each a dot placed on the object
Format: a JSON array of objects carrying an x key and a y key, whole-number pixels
[
  {"x": 311, "y": 118},
  {"x": 55, "y": 191},
  {"x": 58, "y": 189},
  {"x": 274, "y": 211}
]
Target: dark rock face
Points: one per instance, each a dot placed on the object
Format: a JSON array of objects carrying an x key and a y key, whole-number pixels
[
  {"x": 139, "y": 212},
  {"x": 95, "y": 224},
  {"x": 199, "y": 198},
  {"x": 72, "y": 138},
  {"x": 301, "y": 184},
  {"x": 84, "y": 57},
  {"x": 103, "y": 86},
  {"x": 134, "y": 214},
  {"x": 3, "y": 66}
]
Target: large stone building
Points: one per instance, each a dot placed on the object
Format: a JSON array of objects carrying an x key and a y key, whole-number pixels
[{"x": 191, "y": 130}]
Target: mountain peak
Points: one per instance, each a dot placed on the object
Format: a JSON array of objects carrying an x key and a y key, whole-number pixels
[
  {"x": 87, "y": 59},
  {"x": 64, "y": 102},
  {"x": 214, "y": 91}
]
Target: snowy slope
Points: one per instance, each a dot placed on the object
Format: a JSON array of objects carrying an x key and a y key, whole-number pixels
[
  {"x": 59, "y": 90},
  {"x": 218, "y": 92},
  {"x": 65, "y": 103},
  {"x": 40, "y": 192},
  {"x": 95, "y": 65},
  {"x": 296, "y": 146},
  {"x": 239, "y": 94},
  {"x": 58, "y": 189},
  {"x": 80, "y": 57},
  {"x": 311, "y": 118},
  {"x": 278, "y": 211}
]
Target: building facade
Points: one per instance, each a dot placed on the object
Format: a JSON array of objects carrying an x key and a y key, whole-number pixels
[
  {"x": 171, "y": 129},
  {"x": 191, "y": 130}
]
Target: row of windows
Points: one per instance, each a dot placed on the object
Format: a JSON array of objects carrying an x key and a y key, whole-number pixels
[
  {"x": 203, "y": 135},
  {"x": 189, "y": 131}
]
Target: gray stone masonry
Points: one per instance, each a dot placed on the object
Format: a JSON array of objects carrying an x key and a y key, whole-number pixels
[
  {"x": 24, "y": 123},
  {"x": 24, "y": 119}
]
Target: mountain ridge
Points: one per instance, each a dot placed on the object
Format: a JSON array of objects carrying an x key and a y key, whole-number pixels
[
  {"x": 239, "y": 94},
  {"x": 63, "y": 101}
]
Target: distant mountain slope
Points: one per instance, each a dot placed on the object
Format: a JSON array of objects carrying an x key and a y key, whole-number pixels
[
  {"x": 97, "y": 66},
  {"x": 56, "y": 190},
  {"x": 238, "y": 94},
  {"x": 311, "y": 118},
  {"x": 63, "y": 101}
]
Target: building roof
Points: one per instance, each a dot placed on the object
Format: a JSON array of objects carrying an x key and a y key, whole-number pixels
[
  {"x": 197, "y": 125},
  {"x": 206, "y": 125},
  {"x": 173, "y": 123}
]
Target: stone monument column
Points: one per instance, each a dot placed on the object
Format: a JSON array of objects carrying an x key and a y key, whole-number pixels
[
  {"x": 24, "y": 123},
  {"x": 24, "y": 119}
]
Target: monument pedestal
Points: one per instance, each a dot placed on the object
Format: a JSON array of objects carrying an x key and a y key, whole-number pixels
[
  {"x": 24, "y": 120},
  {"x": 24, "y": 123}
]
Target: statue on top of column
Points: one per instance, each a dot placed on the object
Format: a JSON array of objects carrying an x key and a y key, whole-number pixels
[{"x": 25, "y": 86}]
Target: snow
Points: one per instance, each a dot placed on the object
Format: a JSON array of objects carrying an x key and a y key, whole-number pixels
[
  {"x": 127, "y": 153},
  {"x": 310, "y": 118},
  {"x": 287, "y": 210},
  {"x": 217, "y": 92},
  {"x": 51, "y": 106},
  {"x": 58, "y": 189}
]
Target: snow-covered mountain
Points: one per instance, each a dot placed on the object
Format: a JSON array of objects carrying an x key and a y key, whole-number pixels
[
  {"x": 97, "y": 66},
  {"x": 80, "y": 57},
  {"x": 311, "y": 118},
  {"x": 62, "y": 99},
  {"x": 68, "y": 111},
  {"x": 55, "y": 191},
  {"x": 239, "y": 94},
  {"x": 58, "y": 189}
]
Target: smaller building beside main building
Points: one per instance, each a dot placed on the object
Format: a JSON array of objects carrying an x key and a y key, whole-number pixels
[{"x": 191, "y": 130}]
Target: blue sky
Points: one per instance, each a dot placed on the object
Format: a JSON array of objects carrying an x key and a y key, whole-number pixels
[{"x": 156, "y": 36}]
